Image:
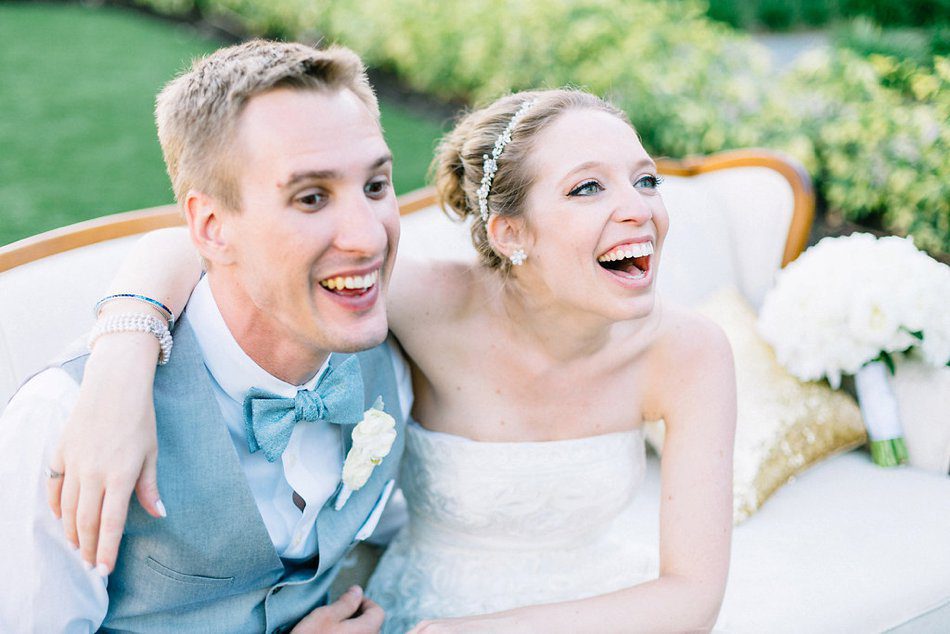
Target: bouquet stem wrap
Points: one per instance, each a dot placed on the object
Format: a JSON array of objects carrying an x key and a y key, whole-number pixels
[{"x": 880, "y": 412}]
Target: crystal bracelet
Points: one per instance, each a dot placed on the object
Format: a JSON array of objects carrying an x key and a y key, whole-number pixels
[
  {"x": 134, "y": 322},
  {"x": 169, "y": 315}
]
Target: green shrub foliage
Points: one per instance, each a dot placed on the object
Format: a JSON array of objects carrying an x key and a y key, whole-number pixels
[
  {"x": 881, "y": 133},
  {"x": 779, "y": 15},
  {"x": 871, "y": 126}
]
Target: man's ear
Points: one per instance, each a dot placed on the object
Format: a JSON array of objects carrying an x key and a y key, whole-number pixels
[
  {"x": 506, "y": 234},
  {"x": 208, "y": 228}
]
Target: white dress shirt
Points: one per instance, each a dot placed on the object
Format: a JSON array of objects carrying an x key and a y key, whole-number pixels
[{"x": 44, "y": 586}]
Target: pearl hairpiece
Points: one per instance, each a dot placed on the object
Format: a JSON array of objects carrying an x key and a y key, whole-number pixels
[{"x": 490, "y": 166}]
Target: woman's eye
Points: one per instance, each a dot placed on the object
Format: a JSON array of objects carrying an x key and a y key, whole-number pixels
[
  {"x": 648, "y": 182},
  {"x": 377, "y": 188},
  {"x": 311, "y": 201},
  {"x": 587, "y": 188}
]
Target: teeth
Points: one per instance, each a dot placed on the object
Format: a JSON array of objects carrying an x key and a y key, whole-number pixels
[
  {"x": 623, "y": 252},
  {"x": 350, "y": 281}
]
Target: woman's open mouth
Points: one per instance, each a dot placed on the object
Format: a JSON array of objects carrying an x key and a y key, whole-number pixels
[{"x": 630, "y": 261}]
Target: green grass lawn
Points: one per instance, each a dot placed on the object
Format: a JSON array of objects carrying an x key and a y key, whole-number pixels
[{"x": 77, "y": 138}]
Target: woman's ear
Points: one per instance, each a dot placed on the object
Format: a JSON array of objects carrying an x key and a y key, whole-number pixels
[
  {"x": 506, "y": 234},
  {"x": 207, "y": 226}
]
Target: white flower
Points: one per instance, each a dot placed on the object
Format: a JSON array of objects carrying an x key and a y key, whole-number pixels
[
  {"x": 375, "y": 434},
  {"x": 356, "y": 472},
  {"x": 872, "y": 321},
  {"x": 373, "y": 439},
  {"x": 846, "y": 300}
]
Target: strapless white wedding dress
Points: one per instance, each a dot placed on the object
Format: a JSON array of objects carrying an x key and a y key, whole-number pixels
[{"x": 494, "y": 526}]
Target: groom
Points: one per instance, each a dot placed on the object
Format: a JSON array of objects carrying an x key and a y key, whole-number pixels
[{"x": 277, "y": 160}]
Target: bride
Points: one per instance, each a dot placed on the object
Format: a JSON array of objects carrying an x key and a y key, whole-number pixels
[{"x": 533, "y": 372}]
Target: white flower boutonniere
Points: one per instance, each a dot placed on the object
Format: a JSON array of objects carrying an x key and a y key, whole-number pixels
[{"x": 373, "y": 439}]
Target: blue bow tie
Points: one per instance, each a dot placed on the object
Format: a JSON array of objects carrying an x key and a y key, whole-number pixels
[{"x": 269, "y": 419}]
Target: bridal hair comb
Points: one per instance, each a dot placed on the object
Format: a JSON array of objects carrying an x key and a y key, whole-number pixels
[{"x": 490, "y": 166}]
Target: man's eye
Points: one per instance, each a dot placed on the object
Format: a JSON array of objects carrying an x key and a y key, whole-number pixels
[
  {"x": 377, "y": 188},
  {"x": 311, "y": 200},
  {"x": 587, "y": 188},
  {"x": 648, "y": 182}
]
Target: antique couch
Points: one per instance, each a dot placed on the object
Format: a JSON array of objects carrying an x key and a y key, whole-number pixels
[{"x": 845, "y": 547}]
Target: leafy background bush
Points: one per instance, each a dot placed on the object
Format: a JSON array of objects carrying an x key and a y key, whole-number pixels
[
  {"x": 784, "y": 14},
  {"x": 690, "y": 85},
  {"x": 882, "y": 140},
  {"x": 868, "y": 119},
  {"x": 864, "y": 36}
]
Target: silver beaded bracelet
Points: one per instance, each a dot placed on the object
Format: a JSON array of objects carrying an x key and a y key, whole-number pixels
[{"x": 135, "y": 322}]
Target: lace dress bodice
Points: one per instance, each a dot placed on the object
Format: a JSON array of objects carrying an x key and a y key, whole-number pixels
[{"x": 499, "y": 525}]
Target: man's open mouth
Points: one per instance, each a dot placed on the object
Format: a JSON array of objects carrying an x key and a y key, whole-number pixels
[
  {"x": 351, "y": 285},
  {"x": 631, "y": 260}
]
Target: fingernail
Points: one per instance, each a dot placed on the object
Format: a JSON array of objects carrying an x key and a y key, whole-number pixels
[
  {"x": 102, "y": 570},
  {"x": 161, "y": 508},
  {"x": 355, "y": 590},
  {"x": 88, "y": 566}
]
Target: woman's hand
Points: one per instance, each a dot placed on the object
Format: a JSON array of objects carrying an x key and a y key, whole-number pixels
[
  {"x": 107, "y": 448},
  {"x": 441, "y": 626},
  {"x": 494, "y": 623}
]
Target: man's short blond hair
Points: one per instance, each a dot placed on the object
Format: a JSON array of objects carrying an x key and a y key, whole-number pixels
[{"x": 198, "y": 111}]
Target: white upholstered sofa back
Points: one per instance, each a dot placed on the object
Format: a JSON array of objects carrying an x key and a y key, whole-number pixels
[
  {"x": 46, "y": 304},
  {"x": 728, "y": 227}
]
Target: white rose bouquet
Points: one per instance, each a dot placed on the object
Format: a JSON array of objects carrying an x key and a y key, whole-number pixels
[{"x": 847, "y": 306}]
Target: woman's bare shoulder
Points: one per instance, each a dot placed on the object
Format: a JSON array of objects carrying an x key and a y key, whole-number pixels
[
  {"x": 690, "y": 353},
  {"x": 427, "y": 290},
  {"x": 685, "y": 334}
]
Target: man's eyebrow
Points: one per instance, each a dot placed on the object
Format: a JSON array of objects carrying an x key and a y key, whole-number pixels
[
  {"x": 316, "y": 175},
  {"x": 382, "y": 160},
  {"x": 325, "y": 175}
]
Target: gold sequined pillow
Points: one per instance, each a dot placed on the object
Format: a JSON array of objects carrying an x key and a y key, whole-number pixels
[{"x": 784, "y": 425}]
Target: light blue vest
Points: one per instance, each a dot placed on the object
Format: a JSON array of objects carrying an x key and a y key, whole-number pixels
[{"x": 210, "y": 566}]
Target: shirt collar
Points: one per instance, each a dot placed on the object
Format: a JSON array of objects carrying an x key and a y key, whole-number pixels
[{"x": 230, "y": 366}]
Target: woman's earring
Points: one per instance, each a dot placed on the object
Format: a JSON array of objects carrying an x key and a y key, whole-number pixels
[{"x": 518, "y": 257}]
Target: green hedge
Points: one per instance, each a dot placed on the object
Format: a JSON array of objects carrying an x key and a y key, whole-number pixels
[
  {"x": 881, "y": 138},
  {"x": 920, "y": 46},
  {"x": 780, "y": 15},
  {"x": 689, "y": 84},
  {"x": 872, "y": 130}
]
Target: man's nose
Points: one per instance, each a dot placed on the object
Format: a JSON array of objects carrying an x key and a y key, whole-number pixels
[{"x": 360, "y": 229}]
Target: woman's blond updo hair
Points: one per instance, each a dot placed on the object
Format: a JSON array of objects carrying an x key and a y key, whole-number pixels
[{"x": 457, "y": 166}]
